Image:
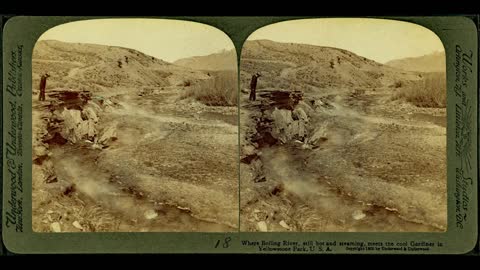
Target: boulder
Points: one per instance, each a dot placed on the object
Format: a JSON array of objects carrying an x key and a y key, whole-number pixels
[
  {"x": 281, "y": 119},
  {"x": 284, "y": 224},
  {"x": 77, "y": 225},
  {"x": 300, "y": 114},
  {"x": 71, "y": 121},
  {"x": 319, "y": 134},
  {"x": 285, "y": 128},
  {"x": 306, "y": 107},
  {"x": 150, "y": 214},
  {"x": 87, "y": 128},
  {"x": 108, "y": 134},
  {"x": 358, "y": 215},
  {"x": 39, "y": 150},
  {"x": 55, "y": 227},
  {"x": 89, "y": 113},
  {"x": 248, "y": 149},
  {"x": 262, "y": 226}
]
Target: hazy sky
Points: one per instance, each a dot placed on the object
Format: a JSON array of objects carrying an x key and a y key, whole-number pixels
[
  {"x": 168, "y": 40},
  {"x": 379, "y": 40}
]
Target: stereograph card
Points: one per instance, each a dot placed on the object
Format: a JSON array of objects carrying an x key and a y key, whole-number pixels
[{"x": 303, "y": 135}]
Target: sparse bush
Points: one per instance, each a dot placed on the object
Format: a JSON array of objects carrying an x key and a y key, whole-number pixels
[
  {"x": 219, "y": 90},
  {"x": 431, "y": 91},
  {"x": 119, "y": 63},
  {"x": 398, "y": 84}
]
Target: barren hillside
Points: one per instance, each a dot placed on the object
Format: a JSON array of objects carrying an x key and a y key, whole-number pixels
[
  {"x": 96, "y": 67},
  {"x": 225, "y": 60},
  {"x": 311, "y": 67},
  {"x": 434, "y": 62}
]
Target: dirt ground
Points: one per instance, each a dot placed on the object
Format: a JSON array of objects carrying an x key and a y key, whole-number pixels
[
  {"x": 380, "y": 165},
  {"x": 172, "y": 167}
]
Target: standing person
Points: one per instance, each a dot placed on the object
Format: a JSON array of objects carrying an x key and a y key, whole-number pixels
[
  {"x": 253, "y": 86},
  {"x": 43, "y": 85}
]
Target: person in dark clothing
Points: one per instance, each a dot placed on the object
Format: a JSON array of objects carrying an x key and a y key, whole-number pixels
[
  {"x": 43, "y": 85},
  {"x": 253, "y": 86}
]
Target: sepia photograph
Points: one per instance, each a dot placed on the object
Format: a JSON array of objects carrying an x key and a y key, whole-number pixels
[
  {"x": 343, "y": 127},
  {"x": 134, "y": 128}
]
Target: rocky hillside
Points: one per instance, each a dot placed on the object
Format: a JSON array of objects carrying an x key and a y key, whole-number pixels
[
  {"x": 309, "y": 67},
  {"x": 225, "y": 60},
  {"x": 100, "y": 68},
  {"x": 434, "y": 62}
]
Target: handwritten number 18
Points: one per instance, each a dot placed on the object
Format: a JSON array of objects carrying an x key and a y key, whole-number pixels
[{"x": 226, "y": 242}]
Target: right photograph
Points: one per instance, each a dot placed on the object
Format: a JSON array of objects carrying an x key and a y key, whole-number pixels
[{"x": 343, "y": 127}]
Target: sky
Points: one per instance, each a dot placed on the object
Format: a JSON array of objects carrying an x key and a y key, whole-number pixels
[
  {"x": 376, "y": 39},
  {"x": 168, "y": 40}
]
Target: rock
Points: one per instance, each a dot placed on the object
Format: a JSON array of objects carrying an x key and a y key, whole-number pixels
[
  {"x": 49, "y": 212},
  {"x": 71, "y": 118},
  {"x": 262, "y": 226},
  {"x": 94, "y": 106},
  {"x": 282, "y": 118},
  {"x": 248, "y": 150},
  {"x": 305, "y": 107},
  {"x": 257, "y": 166},
  {"x": 51, "y": 178},
  {"x": 108, "y": 134},
  {"x": 90, "y": 114},
  {"x": 86, "y": 128},
  {"x": 306, "y": 146},
  {"x": 108, "y": 103},
  {"x": 300, "y": 114},
  {"x": 260, "y": 179},
  {"x": 71, "y": 121},
  {"x": 358, "y": 215},
  {"x": 55, "y": 227},
  {"x": 296, "y": 128},
  {"x": 319, "y": 134},
  {"x": 38, "y": 160},
  {"x": 77, "y": 225},
  {"x": 39, "y": 151},
  {"x": 284, "y": 224},
  {"x": 150, "y": 214},
  {"x": 285, "y": 128},
  {"x": 249, "y": 158}
]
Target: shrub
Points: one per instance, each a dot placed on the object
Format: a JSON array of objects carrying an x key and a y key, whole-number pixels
[
  {"x": 431, "y": 91},
  {"x": 398, "y": 84},
  {"x": 219, "y": 90}
]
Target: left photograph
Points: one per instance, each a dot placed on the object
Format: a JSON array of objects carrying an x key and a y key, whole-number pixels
[{"x": 134, "y": 128}]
